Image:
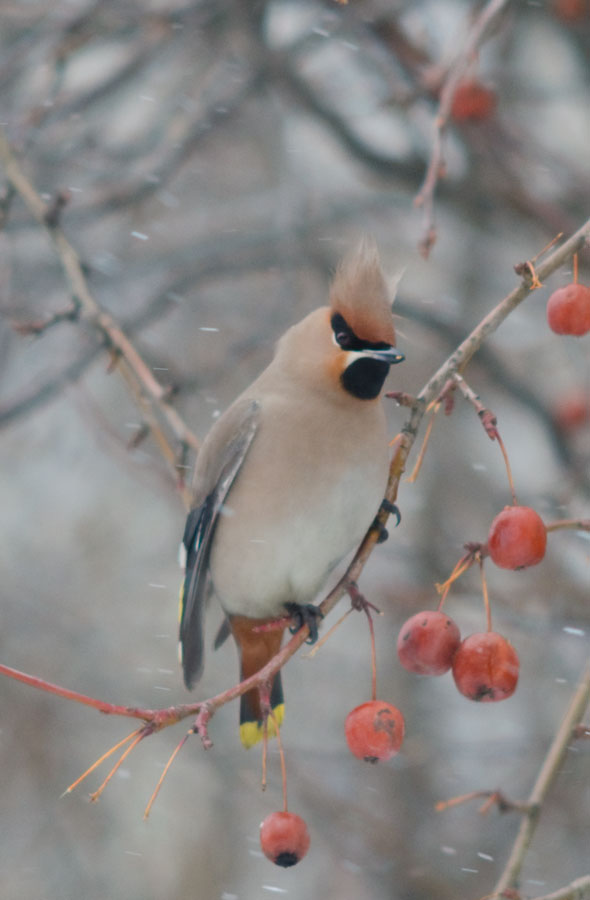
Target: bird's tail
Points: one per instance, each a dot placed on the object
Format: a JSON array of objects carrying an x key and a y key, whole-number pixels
[
  {"x": 256, "y": 649},
  {"x": 251, "y": 720}
]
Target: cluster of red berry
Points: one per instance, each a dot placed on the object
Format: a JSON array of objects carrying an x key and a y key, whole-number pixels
[
  {"x": 484, "y": 665},
  {"x": 374, "y": 731}
]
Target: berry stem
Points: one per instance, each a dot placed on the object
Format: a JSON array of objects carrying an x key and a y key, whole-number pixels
[
  {"x": 173, "y": 756},
  {"x": 489, "y": 422},
  {"x": 486, "y": 598},
  {"x": 464, "y": 563},
  {"x": 282, "y": 757},
  {"x": 142, "y": 733},
  {"x": 422, "y": 452},
  {"x": 373, "y": 655},
  {"x": 264, "y": 753},
  {"x": 575, "y": 268},
  {"x": 547, "y": 247},
  {"x": 100, "y": 760},
  {"x": 508, "y": 469}
]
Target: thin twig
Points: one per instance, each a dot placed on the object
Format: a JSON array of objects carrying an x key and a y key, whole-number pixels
[
  {"x": 171, "y": 759},
  {"x": 459, "y": 359},
  {"x": 129, "y": 362},
  {"x": 140, "y": 736},
  {"x": 425, "y": 197},
  {"x": 101, "y": 706},
  {"x": 490, "y": 425},
  {"x": 492, "y": 798},
  {"x": 575, "y": 711},
  {"x": 576, "y": 890},
  {"x": 100, "y": 760},
  {"x": 68, "y": 314}
]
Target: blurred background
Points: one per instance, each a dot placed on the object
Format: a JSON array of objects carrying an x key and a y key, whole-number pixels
[{"x": 219, "y": 157}]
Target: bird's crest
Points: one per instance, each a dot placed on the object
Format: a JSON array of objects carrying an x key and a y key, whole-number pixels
[{"x": 359, "y": 293}]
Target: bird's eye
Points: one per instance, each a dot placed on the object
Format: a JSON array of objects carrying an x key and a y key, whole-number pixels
[{"x": 344, "y": 338}]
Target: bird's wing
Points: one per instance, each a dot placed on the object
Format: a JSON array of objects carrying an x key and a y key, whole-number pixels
[{"x": 224, "y": 453}]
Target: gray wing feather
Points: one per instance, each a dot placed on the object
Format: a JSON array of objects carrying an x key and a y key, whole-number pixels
[{"x": 198, "y": 537}]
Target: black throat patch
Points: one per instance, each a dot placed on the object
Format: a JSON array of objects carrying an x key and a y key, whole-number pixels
[{"x": 364, "y": 378}]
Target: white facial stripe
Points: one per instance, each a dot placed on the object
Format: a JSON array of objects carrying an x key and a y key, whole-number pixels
[{"x": 354, "y": 355}]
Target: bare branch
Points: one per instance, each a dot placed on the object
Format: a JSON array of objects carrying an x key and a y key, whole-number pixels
[
  {"x": 577, "y": 890},
  {"x": 574, "y": 713},
  {"x": 457, "y": 361},
  {"x": 131, "y": 365},
  {"x": 425, "y": 197}
]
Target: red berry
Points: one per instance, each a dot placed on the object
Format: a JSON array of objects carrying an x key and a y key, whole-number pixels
[
  {"x": 517, "y": 538},
  {"x": 427, "y": 643},
  {"x": 568, "y": 310},
  {"x": 374, "y": 730},
  {"x": 573, "y": 410},
  {"x": 472, "y": 101},
  {"x": 485, "y": 667},
  {"x": 284, "y": 838},
  {"x": 571, "y": 10}
]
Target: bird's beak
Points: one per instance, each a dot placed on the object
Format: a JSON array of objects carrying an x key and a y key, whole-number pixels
[{"x": 390, "y": 356}]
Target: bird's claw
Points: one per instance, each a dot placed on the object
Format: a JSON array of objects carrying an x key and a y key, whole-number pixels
[
  {"x": 305, "y": 614},
  {"x": 358, "y": 600},
  {"x": 392, "y": 509},
  {"x": 383, "y": 533}
]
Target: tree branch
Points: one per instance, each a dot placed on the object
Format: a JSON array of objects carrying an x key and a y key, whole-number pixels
[
  {"x": 131, "y": 365},
  {"x": 577, "y": 890},
  {"x": 425, "y": 197},
  {"x": 152, "y": 396},
  {"x": 574, "y": 713},
  {"x": 456, "y": 361}
]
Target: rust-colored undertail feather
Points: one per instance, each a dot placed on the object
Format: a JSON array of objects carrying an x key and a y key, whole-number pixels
[{"x": 256, "y": 649}]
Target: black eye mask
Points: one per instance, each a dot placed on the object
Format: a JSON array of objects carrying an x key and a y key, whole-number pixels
[{"x": 347, "y": 339}]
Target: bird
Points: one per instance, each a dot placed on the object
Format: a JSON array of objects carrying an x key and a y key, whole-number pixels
[{"x": 289, "y": 479}]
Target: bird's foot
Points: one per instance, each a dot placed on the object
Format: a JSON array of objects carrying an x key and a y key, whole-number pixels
[
  {"x": 358, "y": 600},
  {"x": 383, "y": 533},
  {"x": 200, "y": 725},
  {"x": 392, "y": 509},
  {"x": 305, "y": 614}
]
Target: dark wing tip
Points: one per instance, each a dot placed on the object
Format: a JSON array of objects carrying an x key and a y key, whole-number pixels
[{"x": 192, "y": 658}]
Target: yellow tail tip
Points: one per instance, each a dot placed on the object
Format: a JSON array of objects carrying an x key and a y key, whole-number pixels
[{"x": 253, "y": 732}]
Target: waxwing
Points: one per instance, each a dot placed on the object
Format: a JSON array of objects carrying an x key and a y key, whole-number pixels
[{"x": 290, "y": 477}]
